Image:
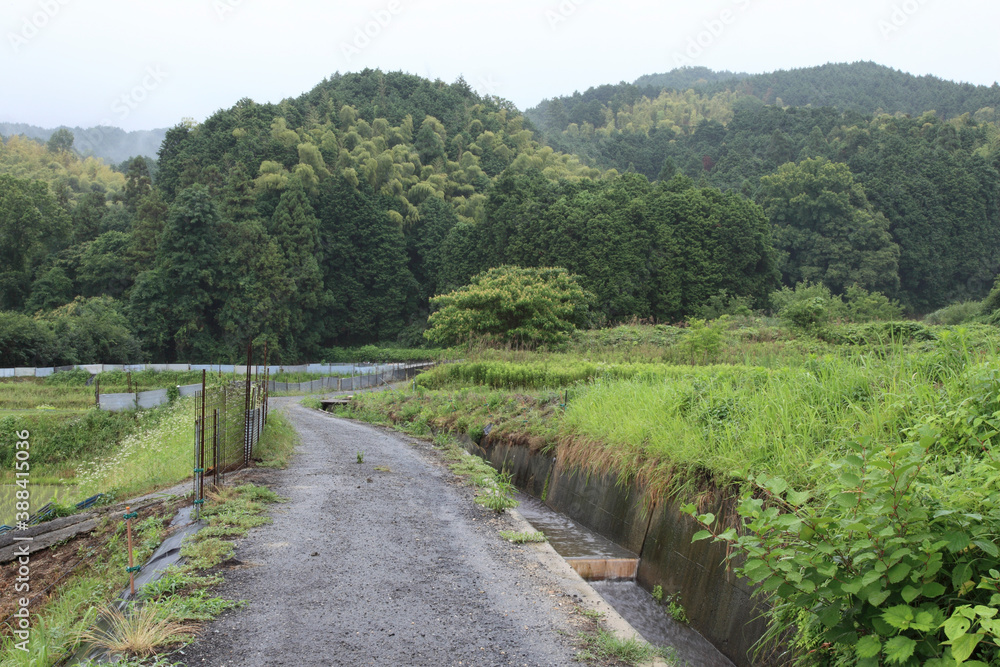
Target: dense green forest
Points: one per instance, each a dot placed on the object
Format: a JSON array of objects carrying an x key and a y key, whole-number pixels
[{"x": 331, "y": 219}]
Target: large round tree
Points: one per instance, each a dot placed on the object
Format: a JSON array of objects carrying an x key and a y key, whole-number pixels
[{"x": 512, "y": 305}]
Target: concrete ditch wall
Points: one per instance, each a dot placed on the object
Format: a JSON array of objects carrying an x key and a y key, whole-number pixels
[{"x": 718, "y": 605}]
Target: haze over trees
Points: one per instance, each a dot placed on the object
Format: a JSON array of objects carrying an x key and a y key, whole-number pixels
[{"x": 333, "y": 218}]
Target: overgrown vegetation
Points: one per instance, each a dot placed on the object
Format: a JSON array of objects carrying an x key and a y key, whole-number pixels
[{"x": 867, "y": 464}]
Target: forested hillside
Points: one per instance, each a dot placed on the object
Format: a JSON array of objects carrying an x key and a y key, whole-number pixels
[
  {"x": 332, "y": 218},
  {"x": 864, "y": 87},
  {"x": 933, "y": 179}
]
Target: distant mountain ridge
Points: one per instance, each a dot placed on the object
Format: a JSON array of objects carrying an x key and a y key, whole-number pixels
[
  {"x": 113, "y": 144},
  {"x": 865, "y": 87},
  {"x": 862, "y": 87}
]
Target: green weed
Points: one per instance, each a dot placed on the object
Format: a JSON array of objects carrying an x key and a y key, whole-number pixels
[{"x": 522, "y": 537}]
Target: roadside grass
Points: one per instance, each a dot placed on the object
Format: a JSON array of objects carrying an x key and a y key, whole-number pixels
[
  {"x": 524, "y": 537},
  {"x": 231, "y": 512},
  {"x": 168, "y": 606},
  {"x": 278, "y": 441},
  {"x": 605, "y": 646},
  {"x": 311, "y": 402},
  {"x": 137, "y": 631},
  {"x": 60, "y": 623}
]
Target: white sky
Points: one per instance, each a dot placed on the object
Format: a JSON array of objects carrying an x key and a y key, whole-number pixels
[{"x": 141, "y": 64}]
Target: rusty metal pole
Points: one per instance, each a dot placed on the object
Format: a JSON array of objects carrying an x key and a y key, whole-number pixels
[
  {"x": 201, "y": 445},
  {"x": 215, "y": 444},
  {"x": 97, "y": 392},
  {"x": 246, "y": 413},
  {"x": 131, "y": 563},
  {"x": 266, "y": 373}
]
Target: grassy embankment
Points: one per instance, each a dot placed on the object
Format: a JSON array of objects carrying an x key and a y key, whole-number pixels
[
  {"x": 155, "y": 453},
  {"x": 169, "y": 610},
  {"x": 684, "y": 414}
]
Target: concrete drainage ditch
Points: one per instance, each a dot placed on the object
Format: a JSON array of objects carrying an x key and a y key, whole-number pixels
[
  {"x": 612, "y": 535},
  {"x": 611, "y": 571}
]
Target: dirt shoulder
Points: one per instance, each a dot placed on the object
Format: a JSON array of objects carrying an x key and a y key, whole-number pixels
[{"x": 385, "y": 562}]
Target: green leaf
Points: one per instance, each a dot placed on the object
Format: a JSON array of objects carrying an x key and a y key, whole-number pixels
[
  {"x": 898, "y": 572},
  {"x": 899, "y": 649},
  {"x": 956, "y": 626},
  {"x": 961, "y": 574},
  {"x": 899, "y": 616},
  {"x": 963, "y": 646},
  {"x": 830, "y": 616},
  {"x": 933, "y": 590},
  {"x": 847, "y": 500},
  {"x": 989, "y": 547},
  {"x": 910, "y": 593},
  {"x": 701, "y": 535},
  {"x": 957, "y": 541},
  {"x": 850, "y": 480},
  {"x": 772, "y": 583},
  {"x": 797, "y": 497},
  {"x": 852, "y": 587},
  {"x": 878, "y": 597},
  {"x": 868, "y": 647}
]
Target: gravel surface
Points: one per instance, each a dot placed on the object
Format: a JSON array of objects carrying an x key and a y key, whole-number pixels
[{"x": 368, "y": 566}]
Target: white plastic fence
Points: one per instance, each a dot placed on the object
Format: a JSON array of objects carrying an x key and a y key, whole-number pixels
[{"x": 377, "y": 376}]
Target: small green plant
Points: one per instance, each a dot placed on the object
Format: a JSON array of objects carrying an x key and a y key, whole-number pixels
[
  {"x": 311, "y": 402},
  {"x": 498, "y": 493},
  {"x": 658, "y": 593},
  {"x": 604, "y": 645},
  {"x": 361, "y": 457},
  {"x": 522, "y": 537},
  {"x": 592, "y": 614},
  {"x": 675, "y": 608},
  {"x": 206, "y": 553}
]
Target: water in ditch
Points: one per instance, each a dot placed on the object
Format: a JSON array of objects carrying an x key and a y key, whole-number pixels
[
  {"x": 567, "y": 537},
  {"x": 650, "y": 619}
]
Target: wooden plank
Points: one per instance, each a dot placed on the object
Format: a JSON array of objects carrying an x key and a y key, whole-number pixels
[
  {"x": 45, "y": 541},
  {"x": 599, "y": 569},
  {"x": 7, "y": 538}
]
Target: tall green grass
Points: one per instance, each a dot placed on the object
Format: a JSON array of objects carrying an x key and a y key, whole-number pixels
[{"x": 676, "y": 425}]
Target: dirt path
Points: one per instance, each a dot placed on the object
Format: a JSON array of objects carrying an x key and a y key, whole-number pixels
[{"x": 369, "y": 567}]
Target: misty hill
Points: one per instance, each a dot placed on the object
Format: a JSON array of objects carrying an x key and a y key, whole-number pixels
[
  {"x": 865, "y": 87},
  {"x": 111, "y": 143}
]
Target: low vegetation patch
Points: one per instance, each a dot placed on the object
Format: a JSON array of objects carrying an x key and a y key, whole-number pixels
[
  {"x": 524, "y": 537},
  {"x": 604, "y": 646}
]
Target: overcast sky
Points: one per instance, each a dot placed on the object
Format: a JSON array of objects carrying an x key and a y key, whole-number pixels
[{"x": 141, "y": 64}]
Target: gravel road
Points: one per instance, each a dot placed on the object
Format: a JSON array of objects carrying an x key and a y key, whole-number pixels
[{"x": 388, "y": 562}]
